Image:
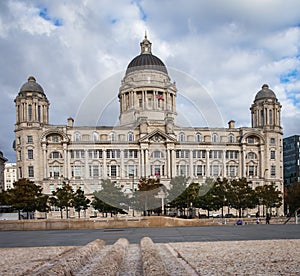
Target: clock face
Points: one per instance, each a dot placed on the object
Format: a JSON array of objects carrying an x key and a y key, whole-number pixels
[{"x": 146, "y": 49}]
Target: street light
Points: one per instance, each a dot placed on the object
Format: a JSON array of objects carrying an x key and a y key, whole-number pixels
[{"x": 161, "y": 194}]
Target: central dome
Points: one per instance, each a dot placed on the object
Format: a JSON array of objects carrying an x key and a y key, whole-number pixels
[{"x": 146, "y": 60}]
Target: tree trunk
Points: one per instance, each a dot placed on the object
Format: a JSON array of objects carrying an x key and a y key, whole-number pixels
[{"x": 61, "y": 213}]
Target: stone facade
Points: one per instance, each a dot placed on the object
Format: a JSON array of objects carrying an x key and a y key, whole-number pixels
[
  {"x": 10, "y": 175},
  {"x": 146, "y": 142},
  {"x": 2, "y": 168}
]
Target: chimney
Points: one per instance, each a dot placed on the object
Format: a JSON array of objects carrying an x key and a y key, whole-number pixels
[
  {"x": 70, "y": 122},
  {"x": 231, "y": 124}
]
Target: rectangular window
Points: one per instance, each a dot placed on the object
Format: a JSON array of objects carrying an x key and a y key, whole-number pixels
[
  {"x": 232, "y": 170},
  {"x": 29, "y": 139},
  {"x": 250, "y": 140},
  {"x": 30, "y": 171},
  {"x": 252, "y": 170},
  {"x": 273, "y": 154},
  {"x": 131, "y": 170},
  {"x": 113, "y": 171},
  {"x": 113, "y": 154},
  {"x": 157, "y": 170},
  {"x": 54, "y": 171},
  {"x": 39, "y": 113},
  {"x": 30, "y": 113},
  {"x": 94, "y": 171},
  {"x": 272, "y": 141},
  {"x": 30, "y": 154},
  {"x": 273, "y": 171},
  {"x": 77, "y": 171},
  {"x": 19, "y": 155},
  {"x": 199, "y": 170},
  {"x": 20, "y": 173},
  {"x": 215, "y": 170}
]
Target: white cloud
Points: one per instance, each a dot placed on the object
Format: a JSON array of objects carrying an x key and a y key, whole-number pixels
[{"x": 229, "y": 47}]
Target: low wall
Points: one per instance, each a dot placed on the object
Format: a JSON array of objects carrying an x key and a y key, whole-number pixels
[{"x": 124, "y": 222}]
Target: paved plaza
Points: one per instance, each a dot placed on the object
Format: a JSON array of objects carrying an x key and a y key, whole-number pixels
[
  {"x": 158, "y": 235},
  {"x": 214, "y": 250}
]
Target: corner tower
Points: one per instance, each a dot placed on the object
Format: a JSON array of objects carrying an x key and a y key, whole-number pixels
[
  {"x": 266, "y": 110},
  {"x": 146, "y": 94},
  {"x": 32, "y": 114},
  {"x": 32, "y": 105}
]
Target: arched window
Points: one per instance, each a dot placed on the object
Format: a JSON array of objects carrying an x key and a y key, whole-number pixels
[
  {"x": 198, "y": 137},
  {"x": 181, "y": 137},
  {"x": 77, "y": 137},
  {"x": 112, "y": 136},
  {"x": 215, "y": 138},
  {"x": 251, "y": 155},
  {"x": 230, "y": 138},
  {"x": 130, "y": 137}
]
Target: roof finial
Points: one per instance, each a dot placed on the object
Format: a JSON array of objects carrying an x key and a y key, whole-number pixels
[{"x": 145, "y": 34}]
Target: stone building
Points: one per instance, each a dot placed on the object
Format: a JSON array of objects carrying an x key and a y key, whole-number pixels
[
  {"x": 146, "y": 142},
  {"x": 2, "y": 168},
  {"x": 10, "y": 175}
]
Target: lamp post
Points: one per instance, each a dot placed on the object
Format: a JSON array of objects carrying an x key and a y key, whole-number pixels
[
  {"x": 161, "y": 194},
  {"x": 265, "y": 182}
]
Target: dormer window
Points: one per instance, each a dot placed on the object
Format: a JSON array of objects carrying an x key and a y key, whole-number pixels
[
  {"x": 181, "y": 137},
  {"x": 77, "y": 137},
  {"x": 215, "y": 138},
  {"x": 198, "y": 137},
  {"x": 130, "y": 137},
  {"x": 112, "y": 137}
]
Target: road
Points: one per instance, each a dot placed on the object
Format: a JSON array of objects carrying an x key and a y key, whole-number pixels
[{"x": 158, "y": 235}]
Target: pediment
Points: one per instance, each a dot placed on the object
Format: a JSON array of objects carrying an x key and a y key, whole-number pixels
[{"x": 157, "y": 136}]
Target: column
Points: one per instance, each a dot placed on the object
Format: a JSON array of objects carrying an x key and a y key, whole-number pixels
[
  {"x": 173, "y": 165},
  {"x": 142, "y": 163},
  {"x": 224, "y": 163},
  {"x": 261, "y": 162},
  {"x": 65, "y": 160},
  {"x": 86, "y": 163},
  {"x": 122, "y": 164},
  {"x": 191, "y": 163},
  {"x": 240, "y": 164},
  {"x": 104, "y": 164},
  {"x": 207, "y": 164},
  {"x": 147, "y": 163},
  {"x": 168, "y": 158},
  {"x": 45, "y": 161},
  {"x": 243, "y": 161}
]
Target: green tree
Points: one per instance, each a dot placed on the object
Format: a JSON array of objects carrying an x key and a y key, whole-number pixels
[
  {"x": 240, "y": 195},
  {"x": 146, "y": 198},
  {"x": 110, "y": 198},
  {"x": 187, "y": 200},
  {"x": 26, "y": 196},
  {"x": 268, "y": 196},
  {"x": 63, "y": 198},
  {"x": 211, "y": 197},
  {"x": 80, "y": 201},
  {"x": 177, "y": 187},
  {"x": 221, "y": 190}
]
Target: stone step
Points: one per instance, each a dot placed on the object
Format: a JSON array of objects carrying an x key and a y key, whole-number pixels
[{"x": 121, "y": 258}]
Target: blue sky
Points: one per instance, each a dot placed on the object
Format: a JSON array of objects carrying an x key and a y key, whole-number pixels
[{"x": 228, "y": 49}]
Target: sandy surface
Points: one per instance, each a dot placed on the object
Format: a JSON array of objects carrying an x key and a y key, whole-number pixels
[{"x": 271, "y": 257}]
